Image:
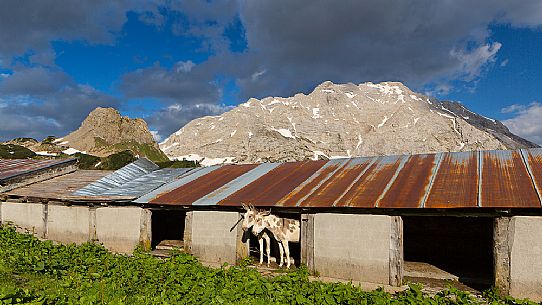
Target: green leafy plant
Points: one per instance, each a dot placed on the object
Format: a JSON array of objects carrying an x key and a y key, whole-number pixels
[{"x": 41, "y": 272}]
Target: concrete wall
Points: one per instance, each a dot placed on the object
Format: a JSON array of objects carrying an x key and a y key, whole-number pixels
[
  {"x": 69, "y": 224},
  {"x": 26, "y": 216},
  {"x": 119, "y": 228},
  {"x": 211, "y": 239},
  {"x": 353, "y": 247},
  {"x": 526, "y": 258}
]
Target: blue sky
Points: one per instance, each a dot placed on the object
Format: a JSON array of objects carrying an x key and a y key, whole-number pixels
[{"x": 173, "y": 61}]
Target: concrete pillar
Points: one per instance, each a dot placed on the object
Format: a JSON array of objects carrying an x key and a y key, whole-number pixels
[
  {"x": 27, "y": 217},
  {"x": 358, "y": 247},
  {"x": 212, "y": 240}
]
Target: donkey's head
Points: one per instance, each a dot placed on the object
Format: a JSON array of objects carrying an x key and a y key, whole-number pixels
[
  {"x": 260, "y": 222},
  {"x": 249, "y": 218}
]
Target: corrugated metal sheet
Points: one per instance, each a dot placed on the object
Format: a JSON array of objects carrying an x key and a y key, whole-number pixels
[
  {"x": 12, "y": 168},
  {"x": 506, "y": 181},
  {"x": 533, "y": 159},
  {"x": 366, "y": 191},
  {"x": 166, "y": 188},
  {"x": 489, "y": 179},
  {"x": 147, "y": 183},
  {"x": 411, "y": 183},
  {"x": 456, "y": 183},
  {"x": 200, "y": 187},
  {"x": 270, "y": 188},
  {"x": 118, "y": 178}
]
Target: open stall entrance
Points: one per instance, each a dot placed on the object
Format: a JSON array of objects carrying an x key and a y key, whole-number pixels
[
  {"x": 167, "y": 229},
  {"x": 439, "y": 248},
  {"x": 295, "y": 247}
]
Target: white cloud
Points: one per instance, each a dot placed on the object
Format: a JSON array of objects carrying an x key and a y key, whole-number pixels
[
  {"x": 473, "y": 62},
  {"x": 156, "y": 135},
  {"x": 528, "y": 121},
  {"x": 184, "y": 66},
  {"x": 513, "y": 108},
  {"x": 504, "y": 63},
  {"x": 257, "y": 75}
]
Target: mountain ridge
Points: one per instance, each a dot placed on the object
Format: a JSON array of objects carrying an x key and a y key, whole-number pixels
[{"x": 337, "y": 120}]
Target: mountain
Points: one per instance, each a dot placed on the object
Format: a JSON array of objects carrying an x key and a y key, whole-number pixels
[
  {"x": 338, "y": 120},
  {"x": 494, "y": 127},
  {"x": 105, "y": 132}
]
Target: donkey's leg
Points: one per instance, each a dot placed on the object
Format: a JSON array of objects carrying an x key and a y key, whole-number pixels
[
  {"x": 268, "y": 250},
  {"x": 281, "y": 250},
  {"x": 260, "y": 240},
  {"x": 287, "y": 250}
]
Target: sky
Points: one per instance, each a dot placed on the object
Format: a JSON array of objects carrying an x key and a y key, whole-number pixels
[{"x": 170, "y": 62}]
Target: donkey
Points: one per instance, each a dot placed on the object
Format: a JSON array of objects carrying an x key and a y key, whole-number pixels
[
  {"x": 248, "y": 222},
  {"x": 284, "y": 230}
]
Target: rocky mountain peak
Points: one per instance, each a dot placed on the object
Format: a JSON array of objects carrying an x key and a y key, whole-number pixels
[
  {"x": 334, "y": 120},
  {"x": 105, "y": 131}
]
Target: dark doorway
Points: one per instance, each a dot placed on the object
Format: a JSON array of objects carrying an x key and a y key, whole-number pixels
[
  {"x": 167, "y": 225},
  {"x": 459, "y": 246}
]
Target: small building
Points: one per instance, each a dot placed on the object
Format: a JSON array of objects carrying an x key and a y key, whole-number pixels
[{"x": 476, "y": 215}]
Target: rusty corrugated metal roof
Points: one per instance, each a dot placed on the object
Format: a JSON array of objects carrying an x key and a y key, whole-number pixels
[
  {"x": 13, "y": 168},
  {"x": 488, "y": 179},
  {"x": 505, "y": 181}
]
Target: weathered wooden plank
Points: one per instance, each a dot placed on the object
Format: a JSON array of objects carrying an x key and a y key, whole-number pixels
[
  {"x": 242, "y": 249},
  {"x": 145, "y": 230},
  {"x": 187, "y": 237},
  {"x": 396, "y": 251},
  {"x": 503, "y": 232},
  {"x": 307, "y": 241},
  {"x": 60, "y": 186}
]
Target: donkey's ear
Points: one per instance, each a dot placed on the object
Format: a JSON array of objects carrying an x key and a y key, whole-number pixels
[{"x": 245, "y": 206}]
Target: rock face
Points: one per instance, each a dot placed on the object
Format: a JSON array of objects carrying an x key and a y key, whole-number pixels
[
  {"x": 337, "y": 121},
  {"x": 105, "y": 132}
]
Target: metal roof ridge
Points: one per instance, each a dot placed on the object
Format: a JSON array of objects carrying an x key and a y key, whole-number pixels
[
  {"x": 523, "y": 153},
  {"x": 434, "y": 173},
  {"x": 404, "y": 159}
]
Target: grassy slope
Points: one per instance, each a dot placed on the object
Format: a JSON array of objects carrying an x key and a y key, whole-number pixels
[
  {"x": 143, "y": 150},
  {"x": 10, "y": 151}
]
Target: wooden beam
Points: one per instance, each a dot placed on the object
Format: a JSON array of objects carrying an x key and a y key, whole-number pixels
[
  {"x": 187, "y": 237},
  {"x": 307, "y": 241},
  {"x": 396, "y": 251},
  {"x": 503, "y": 232}
]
